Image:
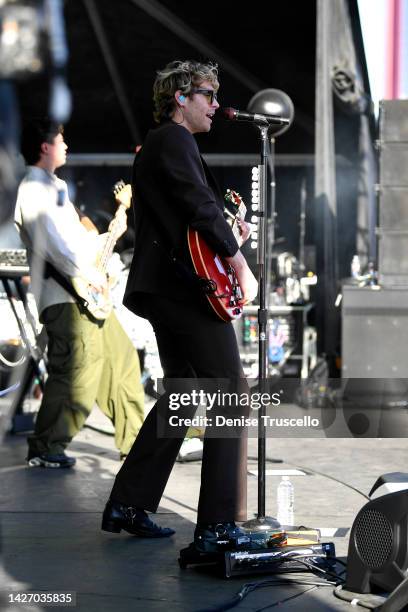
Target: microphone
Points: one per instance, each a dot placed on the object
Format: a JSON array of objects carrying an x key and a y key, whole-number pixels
[{"x": 232, "y": 114}]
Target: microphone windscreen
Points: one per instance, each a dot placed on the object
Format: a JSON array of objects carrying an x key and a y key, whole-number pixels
[{"x": 229, "y": 113}]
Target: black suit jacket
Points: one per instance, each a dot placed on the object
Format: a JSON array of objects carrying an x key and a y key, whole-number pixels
[{"x": 172, "y": 189}]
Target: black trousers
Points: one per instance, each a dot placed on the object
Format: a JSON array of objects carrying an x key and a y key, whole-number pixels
[{"x": 192, "y": 344}]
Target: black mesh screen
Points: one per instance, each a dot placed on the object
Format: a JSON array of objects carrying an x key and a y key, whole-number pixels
[{"x": 373, "y": 538}]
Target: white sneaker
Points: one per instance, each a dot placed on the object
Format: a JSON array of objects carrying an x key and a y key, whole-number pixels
[{"x": 190, "y": 450}]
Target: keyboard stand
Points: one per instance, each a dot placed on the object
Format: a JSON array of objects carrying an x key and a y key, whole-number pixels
[{"x": 35, "y": 367}]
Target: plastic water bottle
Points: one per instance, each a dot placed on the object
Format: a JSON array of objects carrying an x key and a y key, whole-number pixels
[
  {"x": 286, "y": 500},
  {"x": 355, "y": 266}
]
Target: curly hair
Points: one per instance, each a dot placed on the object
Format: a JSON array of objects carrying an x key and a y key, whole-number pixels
[{"x": 179, "y": 76}]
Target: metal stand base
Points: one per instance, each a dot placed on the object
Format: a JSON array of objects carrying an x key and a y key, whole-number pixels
[{"x": 262, "y": 523}]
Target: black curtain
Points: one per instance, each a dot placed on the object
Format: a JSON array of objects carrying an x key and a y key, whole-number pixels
[{"x": 344, "y": 160}]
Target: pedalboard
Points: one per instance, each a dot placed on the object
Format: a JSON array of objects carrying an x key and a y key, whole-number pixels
[{"x": 260, "y": 561}]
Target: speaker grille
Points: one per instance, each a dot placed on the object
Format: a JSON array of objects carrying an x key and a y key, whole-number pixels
[{"x": 373, "y": 538}]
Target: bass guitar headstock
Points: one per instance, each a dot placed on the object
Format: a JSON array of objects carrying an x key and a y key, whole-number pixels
[{"x": 123, "y": 194}]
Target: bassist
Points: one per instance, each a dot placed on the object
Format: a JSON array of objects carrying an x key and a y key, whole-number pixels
[{"x": 89, "y": 360}]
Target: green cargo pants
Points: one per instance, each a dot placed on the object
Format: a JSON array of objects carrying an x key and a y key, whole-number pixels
[{"x": 88, "y": 362}]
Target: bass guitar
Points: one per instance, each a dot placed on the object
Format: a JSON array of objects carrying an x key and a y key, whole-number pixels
[
  {"x": 217, "y": 277},
  {"x": 99, "y": 304}
]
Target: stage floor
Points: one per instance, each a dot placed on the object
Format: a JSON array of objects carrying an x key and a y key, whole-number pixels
[{"x": 50, "y": 524}]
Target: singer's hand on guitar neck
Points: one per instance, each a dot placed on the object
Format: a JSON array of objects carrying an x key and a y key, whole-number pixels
[
  {"x": 245, "y": 230},
  {"x": 246, "y": 279}
]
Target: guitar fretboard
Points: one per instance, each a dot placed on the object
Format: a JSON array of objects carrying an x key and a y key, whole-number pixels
[
  {"x": 109, "y": 244},
  {"x": 233, "y": 220}
]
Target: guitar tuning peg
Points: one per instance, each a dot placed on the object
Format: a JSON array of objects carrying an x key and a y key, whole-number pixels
[{"x": 118, "y": 186}]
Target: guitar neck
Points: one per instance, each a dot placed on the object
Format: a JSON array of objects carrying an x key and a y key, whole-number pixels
[
  {"x": 109, "y": 245},
  {"x": 239, "y": 216}
]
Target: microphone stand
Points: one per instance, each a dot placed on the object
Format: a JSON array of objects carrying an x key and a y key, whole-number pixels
[
  {"x": 263, "y": 522},
  {"x": 270, "y": 218}
]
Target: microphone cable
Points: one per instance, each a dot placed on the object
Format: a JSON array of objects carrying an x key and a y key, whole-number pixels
[{"x": 249, "y": 587}]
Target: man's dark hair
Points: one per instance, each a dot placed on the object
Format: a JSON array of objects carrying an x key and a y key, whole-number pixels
[{"x": 34, "y": 133}]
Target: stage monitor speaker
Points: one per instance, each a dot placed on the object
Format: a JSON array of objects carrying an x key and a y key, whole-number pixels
[
  {"x": 378, "y": 547},
  {"x": 389, "y": 483}
]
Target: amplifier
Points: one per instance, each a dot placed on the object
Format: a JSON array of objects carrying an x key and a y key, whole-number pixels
[
  {"x": 394, "y": 120},
  {"x": 394, "y": 163},
  {"x": 393, "y": 194},
  {"x": 392, "y": 260},
  {"x": 393, "y": 209},
  {"x": 374, "y": 333}
]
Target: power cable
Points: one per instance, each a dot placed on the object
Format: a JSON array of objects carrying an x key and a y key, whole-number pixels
[
  {"x": 312, "y": 471},
  {"x": 101, "y": 431},
  {"x": 9, "y": 389},
  {"x": 252, "y": 586},
  {"x": 13, "y": 364},
  {"x": 316, "y": 472},
  {"x": 281, "y": 601}
]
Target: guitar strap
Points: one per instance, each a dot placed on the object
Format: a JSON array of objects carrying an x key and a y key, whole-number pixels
[
  {"x": 211, "y": 182},
  {"x": 51, "y": 271},
  {"x": 181, "y": 268}
]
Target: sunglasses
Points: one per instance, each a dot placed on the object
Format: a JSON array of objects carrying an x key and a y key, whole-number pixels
[{"x": 210, "y": 94}]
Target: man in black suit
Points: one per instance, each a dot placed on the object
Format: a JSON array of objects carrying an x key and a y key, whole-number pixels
[{"x": 173, "y": 190}]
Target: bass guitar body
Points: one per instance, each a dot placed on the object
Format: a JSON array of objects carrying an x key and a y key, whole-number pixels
[{"x": 99, "y": 305}]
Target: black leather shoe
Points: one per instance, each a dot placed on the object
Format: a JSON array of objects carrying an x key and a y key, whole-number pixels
[
  {"x": 116, "y": 517},
  {"x": 213, "y": 537}
]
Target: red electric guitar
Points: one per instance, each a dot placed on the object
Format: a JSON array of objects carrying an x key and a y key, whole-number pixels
[{"x": 219, "y": 280}]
